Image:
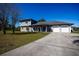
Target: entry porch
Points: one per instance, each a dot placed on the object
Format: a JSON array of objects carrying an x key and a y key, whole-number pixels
[{"x": 42, "y": 28}]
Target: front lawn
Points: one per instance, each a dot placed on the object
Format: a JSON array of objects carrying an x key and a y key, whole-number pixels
[
  {"x": 75, "y": 32},
  {"x": 11, "y": 41}
]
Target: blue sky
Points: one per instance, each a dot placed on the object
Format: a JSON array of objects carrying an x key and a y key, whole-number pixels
[{"x": 50, "y": 11}]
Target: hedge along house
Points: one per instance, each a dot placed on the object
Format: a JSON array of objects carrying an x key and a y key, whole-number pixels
[{"x": 30, "y": 25}]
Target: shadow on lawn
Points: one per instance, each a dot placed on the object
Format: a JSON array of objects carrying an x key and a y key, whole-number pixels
[{"x": 22, "y": 33}]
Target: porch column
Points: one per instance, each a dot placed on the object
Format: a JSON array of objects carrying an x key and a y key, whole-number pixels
[
  {"x": 37, "y": 29},
  {"x": 46, "y": 29},
  {"x": 40, "y": 29},
  {"x": 33, "y": 29}
]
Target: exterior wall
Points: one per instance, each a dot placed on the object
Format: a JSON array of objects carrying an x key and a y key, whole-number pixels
[
  {"x": 25, "y": 23},
  {"x": 54, "y": 29},
  {"x": 31, "y": 29},
  {"x": 24, "y": 29}
]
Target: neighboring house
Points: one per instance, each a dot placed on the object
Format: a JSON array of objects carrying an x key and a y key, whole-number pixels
[{"x": 30, "y": 25}]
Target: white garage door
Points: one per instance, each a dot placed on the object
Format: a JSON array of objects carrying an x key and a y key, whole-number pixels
[
  {"x": 65, "y": 29},
  {"x": 56, "y": 29},
  {"x": 61, "y": 29}
]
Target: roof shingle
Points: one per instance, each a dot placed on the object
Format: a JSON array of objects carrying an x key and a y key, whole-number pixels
[{"x": 53, "y": 23}]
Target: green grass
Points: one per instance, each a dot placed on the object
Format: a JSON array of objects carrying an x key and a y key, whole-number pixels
[
  {"x": 11, "y": 41},
  {"x": 75, "y": 32}
]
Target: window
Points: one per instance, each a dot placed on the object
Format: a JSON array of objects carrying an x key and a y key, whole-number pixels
[
  {"x": 26, "y": 22},
  {"x": 27, "y": 28},
  {"x": 22, "y": 27}
]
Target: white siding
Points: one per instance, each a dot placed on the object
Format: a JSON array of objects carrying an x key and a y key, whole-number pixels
[
  {"x": 31, "y": 29},
  {"x": 25, "y": 23},
  {"x": 23, "y": 29}
]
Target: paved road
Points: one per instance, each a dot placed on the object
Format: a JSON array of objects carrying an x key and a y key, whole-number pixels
[{"x": 54, "y": 44}]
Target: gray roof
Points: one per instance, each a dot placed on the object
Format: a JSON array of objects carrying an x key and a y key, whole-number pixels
[
  {"x": 53, "y": 23},
  {"x": 27, "y": 20}
]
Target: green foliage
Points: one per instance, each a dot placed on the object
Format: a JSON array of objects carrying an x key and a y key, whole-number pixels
[
  {"x": 75, "y": 28},
  {"x": 6, "y": 11}
]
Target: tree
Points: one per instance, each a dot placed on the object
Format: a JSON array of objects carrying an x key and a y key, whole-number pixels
[
  {"x": 15, "y": 18},
  {"x": 0, "y": 24},
  {"x": 4, "y": 13},
  {"x": 42, "y": 20},
  {"x": 8, "y": 10}
]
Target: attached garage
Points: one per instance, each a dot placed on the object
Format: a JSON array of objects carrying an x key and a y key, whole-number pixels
[{"x": 61, "y": 29}]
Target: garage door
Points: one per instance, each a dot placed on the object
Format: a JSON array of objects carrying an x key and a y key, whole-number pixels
[
  {"x": 61, "y": 29},
  {"x": 56, "y": 29},
  {"x": 65, "y": 29}
]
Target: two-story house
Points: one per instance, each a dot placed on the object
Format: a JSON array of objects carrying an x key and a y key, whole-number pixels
[
  {"x": 25, "y": 25},
  {"x": 30, "y": 25}
]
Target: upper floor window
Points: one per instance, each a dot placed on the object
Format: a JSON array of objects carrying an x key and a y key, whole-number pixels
[{"x": 26, "y": 22}]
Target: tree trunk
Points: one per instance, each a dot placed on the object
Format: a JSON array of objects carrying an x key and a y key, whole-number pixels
[
  {"x": 4, "y": 31},
  {"x": 4, "y": 25},
  {"x": 13, "y": 29}
]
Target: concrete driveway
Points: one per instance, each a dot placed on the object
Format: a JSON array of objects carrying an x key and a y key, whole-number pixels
[{"x": 54, "y": 44}]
